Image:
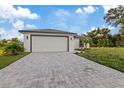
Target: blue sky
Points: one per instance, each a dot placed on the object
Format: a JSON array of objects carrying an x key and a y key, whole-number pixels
[{"x": 74, "y": 18}]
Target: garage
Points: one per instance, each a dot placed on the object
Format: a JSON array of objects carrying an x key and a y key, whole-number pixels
[
  {"x": 49, "y": 40},
  {"x": 49, "y": 43}
]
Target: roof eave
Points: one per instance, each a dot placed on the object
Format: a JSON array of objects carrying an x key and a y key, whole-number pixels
[{"x": 25, "y": 31}]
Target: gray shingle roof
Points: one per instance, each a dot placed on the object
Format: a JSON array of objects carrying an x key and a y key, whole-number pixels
[{"x": 47, "y": 31}]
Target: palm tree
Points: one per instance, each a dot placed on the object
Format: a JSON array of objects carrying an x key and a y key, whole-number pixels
[
  {"x": 115, "y": 16},
  {"x": 85, "y": 40}
]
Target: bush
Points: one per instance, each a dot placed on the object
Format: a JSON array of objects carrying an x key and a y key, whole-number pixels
[
  {"x": 3, "y": 43},
  {"x": 2, "y": 52},
  {"x": 77, "y": 53},
  {"x": 13, "y": 48}
]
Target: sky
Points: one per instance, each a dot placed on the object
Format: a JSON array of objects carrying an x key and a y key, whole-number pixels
[{"x": 73, "y": 18}]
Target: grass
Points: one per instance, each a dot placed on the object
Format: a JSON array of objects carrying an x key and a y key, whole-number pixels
[
  {"x": 111, "y": 57},
  {"x": 7, "y": 60}
]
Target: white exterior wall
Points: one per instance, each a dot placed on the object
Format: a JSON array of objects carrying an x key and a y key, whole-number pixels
[
  {"x": 27, "y": 41},
  {"x": 71, "y": 43},
  {"x": 76, "y": 43}
]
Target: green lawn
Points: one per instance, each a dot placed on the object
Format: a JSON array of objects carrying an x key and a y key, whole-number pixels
[
  {"x": 6, "y": 60},
  {"x": 111, "y": 57}
]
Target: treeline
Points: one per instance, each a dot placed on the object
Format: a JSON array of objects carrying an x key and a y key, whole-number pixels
[{"x": 102, "y": 37}]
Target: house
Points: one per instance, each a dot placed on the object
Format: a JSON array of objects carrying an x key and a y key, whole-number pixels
[{"x": 49, "y": 40}]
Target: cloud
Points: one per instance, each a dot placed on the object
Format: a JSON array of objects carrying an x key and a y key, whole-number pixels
[
  {"x": 10, "y": 34},
  {"x": 18, "y": 25},
  {"x": 2, "y": 31},
  {"x": 26, "y": 13},
  {"x": 89, "y": 9},
  {"x": 30, "y": 26},
  {"x": 92, "y": 28},
  {"x": 79, "y": 11},
  {"x": 61, "y": 12},
  {"x": 86, "y": 10},
  {"x": 103, "y": 26},
  {"x": 14, "y": 16},
  {"x": 109, "y": 27},
  {"x": 13, "y": 32},
  {"x": 108, "y": 7},
  {"x": 10, "y": 12},
  {"x": 68, "y": 20}
]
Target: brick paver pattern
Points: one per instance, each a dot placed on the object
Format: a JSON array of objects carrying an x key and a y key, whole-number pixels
[{"x": 58, "y": 70}]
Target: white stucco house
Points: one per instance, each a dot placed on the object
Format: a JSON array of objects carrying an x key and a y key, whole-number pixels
[{"x": 49, "y": 40}]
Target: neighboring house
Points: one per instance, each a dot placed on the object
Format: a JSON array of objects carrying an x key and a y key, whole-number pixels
[{"x": 49, "y": 40}]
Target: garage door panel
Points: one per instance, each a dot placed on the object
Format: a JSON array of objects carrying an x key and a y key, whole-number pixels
[{"x": 49, "y": 43}]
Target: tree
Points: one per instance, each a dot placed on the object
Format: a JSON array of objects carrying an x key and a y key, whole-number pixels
[
  {"x": 85, "y": 40},
  {"x": 15, "y": 40},
  {"x": 115, "y": 16},
  {"x": 13, "y": 47},
  {"x": 121, "y": 34},
  {"x": 3, "y": 42},
  {"x": 99, "y": 37},
  {"x": 121, "y": 31}
]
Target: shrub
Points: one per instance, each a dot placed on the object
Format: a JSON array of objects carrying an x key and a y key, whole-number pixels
[
  {"x": 2, "y": 52},
  {"x": 3, "y": 43},
  {"x": 77, "y": 53},
  {"x": 13, "y": 48}
]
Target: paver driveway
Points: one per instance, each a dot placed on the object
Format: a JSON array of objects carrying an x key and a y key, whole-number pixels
[{"x": 59, "y": 70}]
